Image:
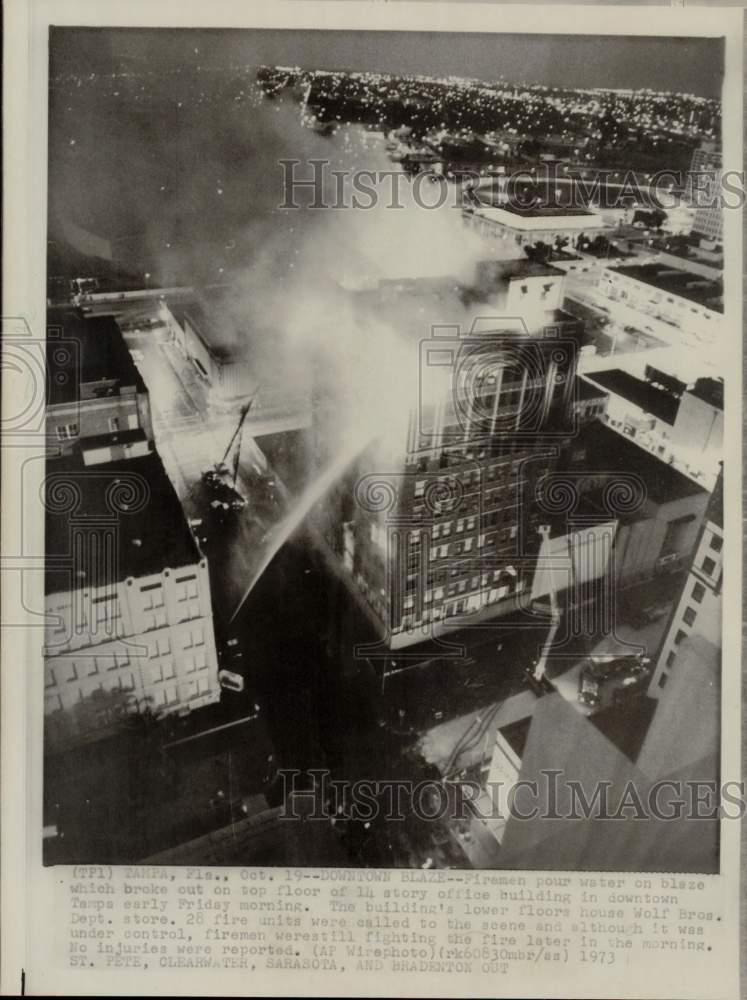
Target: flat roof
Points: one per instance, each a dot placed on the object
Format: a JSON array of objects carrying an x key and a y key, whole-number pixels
[
  {"x": 626, "y": 726},
  {"x": 209, "y": 331},
  {"x": 583, "y": 389},
  {"x": 521, "y": 267},
  {"x": 536, "y": 220},
  {"x": 80, "y": 350},
  {"x": 598, "y": 448},
  {"x": 548, "y": 211},
  {"x": 686, "y": 284},
  {"x": 154, "y": 519},
  {"x": 657, "y": 402},
  {"x": 516, "y": 733},
  {"x": 709, "y": 390}
]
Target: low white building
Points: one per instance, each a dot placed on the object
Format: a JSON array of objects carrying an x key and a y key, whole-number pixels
[
  {"x": 683, "y": 299},
  {"x": 513, "y": 226}
]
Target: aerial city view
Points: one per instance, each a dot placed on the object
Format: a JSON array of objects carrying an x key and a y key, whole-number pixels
[{"x": 384, "y": 431}]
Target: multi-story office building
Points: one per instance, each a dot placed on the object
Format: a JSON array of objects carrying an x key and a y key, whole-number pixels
[
  {"x": 698, "y": 611},
  {"x": 703, "y": 190},
  {"x": 129, "y": 618},
  {"x": 440, "y": 531}
]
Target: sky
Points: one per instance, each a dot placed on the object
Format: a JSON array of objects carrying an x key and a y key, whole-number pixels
[{"x": 685, "y": 65}]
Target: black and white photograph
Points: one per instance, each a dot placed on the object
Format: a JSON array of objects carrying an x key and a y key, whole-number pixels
[{"x": 383, "y": 490}]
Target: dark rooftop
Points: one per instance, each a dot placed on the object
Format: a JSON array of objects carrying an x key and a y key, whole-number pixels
[
  {"x": 521, "y": 267},
  {"x": 496, "y": 199},
  {"x": 599, "y": 449},
  {"x": 658, "y": 402},
  {"x": 710, "y": 390},
  {"x": 83, "y": 350},
  {"x": 544, "y": 211},
  {"x": 516, "y": 733},
  {"x": 687, "y": 285},
  {"x": 136, "y": 495},
  {"x": 586, "y": 390},
  {"x": 665, "y": 381},
  {"x": 626, "y": 727}
]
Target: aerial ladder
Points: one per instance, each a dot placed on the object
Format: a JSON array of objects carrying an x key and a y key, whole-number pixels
[
  {"x": 603, "y": 679},
  {"x": 537, "y": 677},
  {"x": 221, "y": 478}
]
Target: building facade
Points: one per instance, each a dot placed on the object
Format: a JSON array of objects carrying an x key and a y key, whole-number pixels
[
  {"x": 127, "y": 595},
  {"x": 703, "y": 190},
  {"x": 200, "y": 341},
  {"x": 699, "y": 426},
  {"x": 681, "y": 425},
  {"x": 130, "y": 626},
  {"x": 526, "y": 227},
  {"x": 682, "y": 299},
  {"x": 447, "y": 535},
  {"x": 698, "y": 611},
  {"x": 94, "y": 387}
]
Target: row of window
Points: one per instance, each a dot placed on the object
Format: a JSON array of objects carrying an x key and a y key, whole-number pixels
[
  {"x": 441, "y": 611},
  {"x": 464, "y": 547},
  {"x": 88, "y": 666},
  {"x": 66, "y": 432},
  {"x": 437, "y": 594},
  {"x": 473, "y": 477},
  {"x": 66, "y": 671},
  {"x": 161, "y": 646},
  {"x": 168, "y": 695},
  {"x": 688, "y": 617}
]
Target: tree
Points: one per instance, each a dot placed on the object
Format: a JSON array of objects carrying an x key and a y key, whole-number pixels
[
  {"x": 539, "y": 252},
  {"x": 600, "y": 246}
]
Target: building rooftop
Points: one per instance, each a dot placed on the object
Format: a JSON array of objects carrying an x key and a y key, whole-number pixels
[
  {"x": 212, "y": 333},
  {"x": 136, "y": 498},
  {"x": 82, "y": 351},
  {"x": 541, "y": 217},
  {"x": 686, "y": 284},
  {"x": 406, "y": 301},
  {"x": 516, "y": 733},
  {"x": 626, "y": 726},
  {"x": 599, "y": 449},
  {"x": 653, "y": 400},
  {"x": 547, "y": 211},
  {"x": 511, "y": 270},
  {"x": 709, "y": 390},
  {"x": 582, "y": 389},
  {"x": 663, "y": 380}
]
